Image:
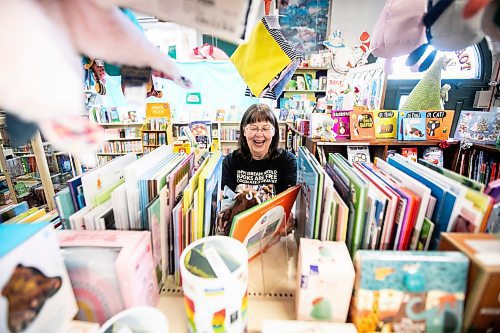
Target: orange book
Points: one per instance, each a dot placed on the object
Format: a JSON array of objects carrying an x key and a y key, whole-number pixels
[
  {"x": 438, "y": 124},
  {"x": 258, "y": 226},
  {"x": 362, "y": 124}
]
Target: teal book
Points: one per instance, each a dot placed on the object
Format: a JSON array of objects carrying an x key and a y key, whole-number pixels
[
  {"x": 411, "y": 126},
  {"x": 65, "y": 206}
]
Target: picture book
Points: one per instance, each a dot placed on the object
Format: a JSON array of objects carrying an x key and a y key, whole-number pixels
[
  {"x": 438, "y": 124},
  {"x": 362, "y": 124},
  {"x": 386, "y": 122},
  {"x": 409, "y": 291},
  {"x": 357, "y": 154},
  {"x": 202, "y": 132},
  {"x": 260, "y": 226},
  {"x": 478, "y": 126},
  {"x": 411, "y": 126},
  {"x": 410, "y": 153},
  {"x": 34, "y": 281},
  {"x": 308, "y": 178},
  {"x": 433, "y": 155},
  {"x": 424, "y": 238},
  {"x": 341, "y": 119}
]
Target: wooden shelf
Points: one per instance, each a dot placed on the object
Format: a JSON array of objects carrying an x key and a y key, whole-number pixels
[{"x": 489, "y": 148}]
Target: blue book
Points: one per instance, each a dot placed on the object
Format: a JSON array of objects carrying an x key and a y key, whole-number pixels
[
  {"x": 65, "y": 207},
  {"x": 13, "y": 210},
  {"x": 411, "y": 126},
  {"x": 308, "y": 178},
  {"x": 212, "y": 195},
  {"x": 73, "y": 185},
  {"x": 445, "y": 200}
]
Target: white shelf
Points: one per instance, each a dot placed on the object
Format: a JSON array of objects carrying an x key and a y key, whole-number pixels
[
  {"x": 228, "y": 141},
  {"x": 111, "y": 154},
  {"x": 271, "y": 289},
  {"x": 118, "y": 124}
]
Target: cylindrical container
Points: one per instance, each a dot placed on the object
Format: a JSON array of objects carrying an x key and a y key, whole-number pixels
[{"x": 214, "y": 273}]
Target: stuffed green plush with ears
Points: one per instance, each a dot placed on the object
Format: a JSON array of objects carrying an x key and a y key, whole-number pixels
[{"x": 426, "y": 95}]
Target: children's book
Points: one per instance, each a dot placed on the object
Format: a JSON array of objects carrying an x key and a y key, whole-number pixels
[
  {"x": 258, "y": 227},
  {"x": 410, "y": 291},
  {"x": 358, "y": 154},
  {"x": 411, "y": 126},
  {"x": 386, "y": 122},
  {"x": 202, "y": 132},
  {"x": 410, "y": 153},
  {"x": 316, "y": 121},
  {"x": 341, "y": 120},
  {"x": 362, "y": 124},
  {"x": 308, "y": 178},
  {"x": 424, "y": 238},
  {"x": 438, "y": 124},
  {"x": 478, "y": 126}
]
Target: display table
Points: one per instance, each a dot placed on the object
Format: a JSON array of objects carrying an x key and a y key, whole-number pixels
[{"x": 271, "y": 289}]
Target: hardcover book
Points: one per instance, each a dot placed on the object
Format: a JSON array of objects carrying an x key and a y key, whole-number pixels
[
  {"x": 411, "y": 291},
  {"x": 341, "y": 124},
  {"x": 362, "y": 124},
  {"x": 438, "y": 124},
  {"x": 411, "y": 126},
  {"x": 478, "y": 126},
  {"x": 385, "y": 124}
]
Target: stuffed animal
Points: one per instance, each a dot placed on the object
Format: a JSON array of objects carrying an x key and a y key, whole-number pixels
[
  {"x": 242, "y": 201},
  {"x": 328, "y": 133}
]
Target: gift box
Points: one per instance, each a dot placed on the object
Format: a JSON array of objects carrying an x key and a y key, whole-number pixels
[
  {"x": 482, "y": 306},
  {"x": 35, "y": 290},
  {"x": 325, "y": 277}
]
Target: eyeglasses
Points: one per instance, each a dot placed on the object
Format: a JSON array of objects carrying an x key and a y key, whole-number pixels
[{"x": 252, "y": 130}]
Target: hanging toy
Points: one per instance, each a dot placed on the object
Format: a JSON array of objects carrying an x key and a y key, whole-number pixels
[
  {"x": 96, "y": 67},
  {"x": 207, "y": 51}
]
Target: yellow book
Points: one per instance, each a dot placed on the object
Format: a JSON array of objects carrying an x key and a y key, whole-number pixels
[
  {"x": 188, "y": 195},
  {"x": 207, "y": 171},
  {"x": 385, "y": 124}
]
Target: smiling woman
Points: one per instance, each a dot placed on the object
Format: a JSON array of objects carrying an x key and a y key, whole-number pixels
[{"x": 258, "y": 162}]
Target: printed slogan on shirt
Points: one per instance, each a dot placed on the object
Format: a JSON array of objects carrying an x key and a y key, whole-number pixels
[{"x": 257, "y": 177}]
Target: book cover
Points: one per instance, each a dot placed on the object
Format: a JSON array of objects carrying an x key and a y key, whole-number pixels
[
  {"x": 478, "y": 126},
  {"x": 362, "y": 125},
  {"x": 410, "y": 153},
  {"x": 202, "y": 132},
  {"x": 411, "y": 126},
  {"x": 410, "y": 291},
  {"x": 425, "y": 235},
  {"x": 316, "y": 121},
  {"x": 341, "y": 124},
  {"x": 34, "y": 281},
  {"x": 258, "y": 227},
  {"x": 386, "y": 122},
  {"x": 438, "y": 124},
  {"x": 357, "y": 154}
]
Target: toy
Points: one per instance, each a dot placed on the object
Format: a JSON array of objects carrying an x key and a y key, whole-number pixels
[
  {"x": 344, "y": 57},
  {"x": 96, "y": 67},
  {"x": 327, "y": 133}
]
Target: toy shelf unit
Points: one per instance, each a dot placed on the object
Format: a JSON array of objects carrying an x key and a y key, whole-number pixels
[{"x": 157, "y": 127}]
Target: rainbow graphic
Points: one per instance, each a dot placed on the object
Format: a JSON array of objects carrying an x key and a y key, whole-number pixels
[
  {"x": 218, "y": 321},
  {"x": 189, "y": 305},
  {"x": 244, "y": 304}
]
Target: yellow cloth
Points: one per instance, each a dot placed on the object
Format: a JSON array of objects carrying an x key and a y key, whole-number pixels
[{"x": 260, "y": 59}]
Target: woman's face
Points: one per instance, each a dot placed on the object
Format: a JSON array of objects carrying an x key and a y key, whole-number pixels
[{"x": 259, "y": 136}]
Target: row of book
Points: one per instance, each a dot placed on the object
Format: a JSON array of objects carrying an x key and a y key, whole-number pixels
[
  {"x": 479, "y": 165},
  {"x": 116, "y": 147},
  {"x": 122, "y": 133},
  {"x": 112, "y": 114},
  {"x": 363, "y": 124},
  {"x": 21, "y": 213},
  {"x": 398, "y": 204},
  {"x": 230, "y": 134},
  {"x": 155, "y": 139}
]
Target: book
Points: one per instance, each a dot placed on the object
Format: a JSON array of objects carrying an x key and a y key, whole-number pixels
[
  {"x": 386, "y": 122},
  {"x": 34, "y": 280},
  {"x": 478, "y": 126},
  {"x": 410, "y": 153},
  {"x": 258, "y": 227},
  {"x": 410, "y": 291},
  {"x": 411, "y": 126},
  {"x": 438, "y": 124},
  {"x": 424, "y": 238},
  {"x": 357, "y": 154},
  {"x": 341, "y": 120},
  {"x": 362, "y": 125}
]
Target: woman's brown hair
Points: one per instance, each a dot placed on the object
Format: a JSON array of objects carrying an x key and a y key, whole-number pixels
[{"x": 254, "y": 114}]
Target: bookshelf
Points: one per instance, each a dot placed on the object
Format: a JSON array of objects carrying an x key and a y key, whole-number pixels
[
  {"x": 120, "y": 139},
  {"x": 157, "y": 127},
  {"x": 308, "y": 81}
]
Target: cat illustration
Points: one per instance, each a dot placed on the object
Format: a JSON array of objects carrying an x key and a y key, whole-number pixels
[{"x": 27, "y": 291}]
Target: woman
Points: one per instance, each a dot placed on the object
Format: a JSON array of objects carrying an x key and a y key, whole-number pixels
[{"x": 258, "y": 162}]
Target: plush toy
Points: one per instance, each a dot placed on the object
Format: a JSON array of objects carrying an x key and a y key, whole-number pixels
[
  {"x": 328, "y": 134},
  {"x": 244, "y": 200}
]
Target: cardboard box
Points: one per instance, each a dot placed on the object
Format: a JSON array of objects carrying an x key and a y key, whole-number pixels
[
  {"x": 482, "y": 306},
  {"x": 325, "y": 277},
  {"x": 35, "y": 290}
]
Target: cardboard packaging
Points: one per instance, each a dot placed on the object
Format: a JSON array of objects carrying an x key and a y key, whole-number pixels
[
  {"x": 35, "y": 290},
  {"x": 325, "y": 277},
  {"x": 482, "y": 306}
]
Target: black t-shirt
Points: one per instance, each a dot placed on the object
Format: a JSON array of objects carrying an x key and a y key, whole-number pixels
[{"x": 279, "y": 173}]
